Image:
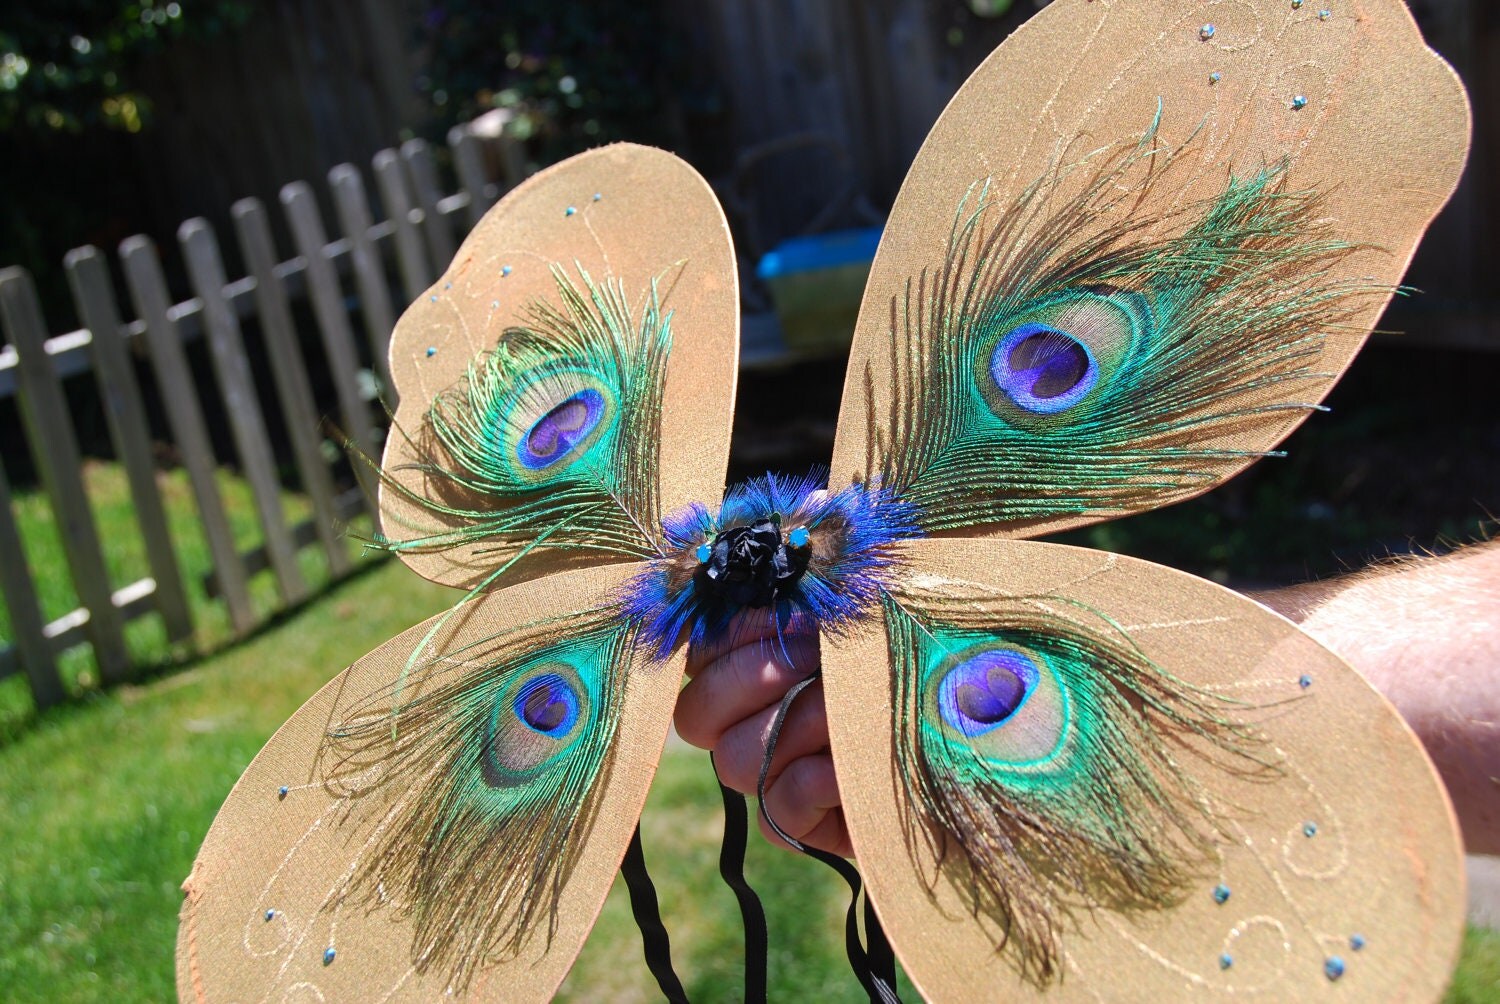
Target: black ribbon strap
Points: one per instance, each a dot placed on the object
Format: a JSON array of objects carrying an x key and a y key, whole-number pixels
[
  {"x": 732, "y": 868},
  {"x": 878, "y": 949},
  {"x": 648, "y": 918},
  {"x": 873, "y": 967}
]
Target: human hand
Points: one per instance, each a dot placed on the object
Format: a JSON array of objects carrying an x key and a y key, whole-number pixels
[
  {"x": 735, "y": 687},
  {"x": 1424, "y": 633}
]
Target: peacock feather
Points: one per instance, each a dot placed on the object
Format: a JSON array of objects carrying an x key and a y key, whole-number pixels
[
  {"x": 1086, "y": 353},
  {"x": 502, "y": 754},
  {"x": 1044, "y": 751},
  {"x": 550, "y": 439}
]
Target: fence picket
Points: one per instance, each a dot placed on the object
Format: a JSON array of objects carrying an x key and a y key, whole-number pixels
[
  {"x": 511, "y": 155},
  {"x": 34, "y": 366},
  {"x": 126, "y": 415},
  {"x": 148, "y": 294},
  {"x": 25, "y": 613},
  {"x": 468, "y": 161},
  {"x": 416, "y": 274},
  {"x": 424, "y": 180},
  {"x": 333, "y": 322},
  {"x": 246, "y": 423},
  {"x": 369, "y": 270},
  {"x": 54, "y": 446},
  {"x": 290, "y": 374},
  {"x": 346, "y": 506}
]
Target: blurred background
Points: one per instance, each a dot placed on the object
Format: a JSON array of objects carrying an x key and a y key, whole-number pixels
[{"x": 212, "y": 210}]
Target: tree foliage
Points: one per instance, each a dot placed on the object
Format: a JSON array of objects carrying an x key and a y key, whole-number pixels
[
  {"x": 564, "y": 77},
  {"x": 70, "y": 65}
]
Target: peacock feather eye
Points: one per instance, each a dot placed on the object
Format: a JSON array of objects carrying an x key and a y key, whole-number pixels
[
  {"x": 1042, "y": 369},
  {"x": 554, "y": 423},
  {"x": 1052, "y": 356},
  {"x": 561, "y": 430},
  {"x": 986, "y": 689},
  {"x": 1000, "y": 700},
  {"x": 534, "y": 722},
  {"x": 548, "y": 705}
]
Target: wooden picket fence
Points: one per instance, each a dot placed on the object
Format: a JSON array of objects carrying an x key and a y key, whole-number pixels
[{"x": 415, "y": 242}]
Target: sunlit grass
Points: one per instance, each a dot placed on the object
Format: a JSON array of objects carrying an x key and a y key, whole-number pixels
[
  {"x": 1477, "y": 980},
  {"x": 108, "y": 799}
]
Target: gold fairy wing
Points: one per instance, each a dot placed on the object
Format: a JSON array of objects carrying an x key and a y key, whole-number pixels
[
  {"x": 569, "y": 378},
  {"x": 1137, "y": 248},
  {"x": 456, "y": 828},
  {"x": 1111, "y": 781}
]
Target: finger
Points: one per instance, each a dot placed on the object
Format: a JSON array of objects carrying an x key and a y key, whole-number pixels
[
  {"x": 831, "y": 835},
  {"x": 741, "y": 751},
  {"x": 745, "y": 628},
  {"x": 751, "y": 626},
  {"x": 805, "y": 803},
  {"x": 736, "y": 686}
]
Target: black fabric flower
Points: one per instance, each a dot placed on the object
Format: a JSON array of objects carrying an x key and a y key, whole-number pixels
[{"x": 751, "y": 566}]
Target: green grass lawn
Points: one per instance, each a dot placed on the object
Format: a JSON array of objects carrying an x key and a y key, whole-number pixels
[{"x": 106, "y": 799}]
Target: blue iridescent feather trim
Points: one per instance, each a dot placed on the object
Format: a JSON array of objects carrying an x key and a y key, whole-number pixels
[{"x": 777, "y": 541}]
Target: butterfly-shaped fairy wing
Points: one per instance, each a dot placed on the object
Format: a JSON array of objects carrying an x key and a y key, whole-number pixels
[
  {"x": 449, "y": 812},
  {"x": 569, "y": 378},
  {"x": 1162, "y": 230},
  {"x": 1136, "y": 250},
  {"x": 1110, "y": 306},
  {"x": 460, "y": 831},
  {"x": 1181, "y": 792}
]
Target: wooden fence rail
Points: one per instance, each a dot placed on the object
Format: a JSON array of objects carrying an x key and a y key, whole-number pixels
[{"x": 352, "y": 272}]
